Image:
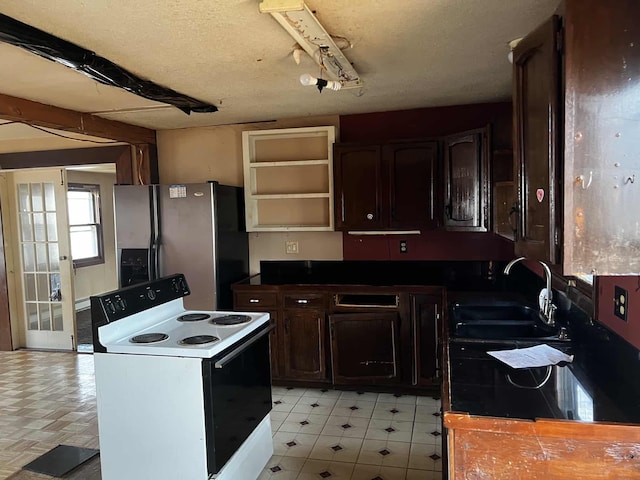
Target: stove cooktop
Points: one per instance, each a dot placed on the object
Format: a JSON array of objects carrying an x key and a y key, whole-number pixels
[{"x": 169, "y": 330}]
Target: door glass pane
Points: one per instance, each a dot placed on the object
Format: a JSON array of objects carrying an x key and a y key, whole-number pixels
[
  {"x": 56, "y": 308},
  {"x": 52, "y": 228},
  {"x": 32, "y": 314},
  {"x": 36, "y": 197},
  {"x": 49, "y": 197},
  {"x": 30, "y": 287},
  {"x": 42, "y": 261},
  {"x": 26, "y": 227},
  {"x": 29, "y": 257},
  {"x": 23, "y": 197},
  {"x": 54, "y": 258},
  {"x": 39, "y": 227},
  {"x": 45, "y": 317},
  {"x": 54, "y": 283},
  {"x": 42, "y": 280}
]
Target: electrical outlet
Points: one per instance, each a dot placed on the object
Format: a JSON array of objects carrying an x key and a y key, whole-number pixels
[
  {"x": 620, "y": 303},
  {"x": 404, "y": 248},
  {"x": 291, "y": 247}
]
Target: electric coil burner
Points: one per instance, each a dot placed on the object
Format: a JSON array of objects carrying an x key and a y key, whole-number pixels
[
  {"x": 198, "y": 340},
  {"x": 149, "y": 338},
  {"x": 231, "y": 320},
  {"x": 194, "y": 317}
]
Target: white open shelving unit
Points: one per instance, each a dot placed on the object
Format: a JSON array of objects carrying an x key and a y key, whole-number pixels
[{"x": 288, "y": 179}]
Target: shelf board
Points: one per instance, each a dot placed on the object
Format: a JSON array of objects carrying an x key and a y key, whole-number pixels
[
  {"x": 272, "y": 196},
  {"x": 290, "y": 228},
  {"x": 291, "y": 163}
]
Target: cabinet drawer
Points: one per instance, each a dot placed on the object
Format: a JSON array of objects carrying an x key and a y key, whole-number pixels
[
  {"x": 305, "y": 300},
  {"x": 256, "y": 300}
]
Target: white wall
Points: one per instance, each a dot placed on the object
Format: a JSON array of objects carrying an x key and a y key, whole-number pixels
[
  {"x": 215, "y": 153},
  {"x": 103, "y": 277}
]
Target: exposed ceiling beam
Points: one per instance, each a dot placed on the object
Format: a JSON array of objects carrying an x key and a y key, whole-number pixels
[{"x": 27, "y": 111}]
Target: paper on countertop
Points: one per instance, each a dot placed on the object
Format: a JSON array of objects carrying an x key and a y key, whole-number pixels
[{"x": 538, "y": 356}]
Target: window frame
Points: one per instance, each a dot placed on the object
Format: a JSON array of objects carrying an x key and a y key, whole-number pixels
[{"x": 94, "y": 189}]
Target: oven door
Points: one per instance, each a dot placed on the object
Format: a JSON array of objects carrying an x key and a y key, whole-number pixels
[{"x": 237, "y": 395}]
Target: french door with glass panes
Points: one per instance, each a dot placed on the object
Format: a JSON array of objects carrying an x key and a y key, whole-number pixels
[{"x": 47, "y": 302}]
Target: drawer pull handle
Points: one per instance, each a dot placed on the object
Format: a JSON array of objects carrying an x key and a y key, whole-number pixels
[
  {"x": 302, "y": 301},
  {"x": 254, "y": 300}
]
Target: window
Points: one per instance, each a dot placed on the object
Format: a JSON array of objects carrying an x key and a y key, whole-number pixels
[{"x": 85, "y": 229}]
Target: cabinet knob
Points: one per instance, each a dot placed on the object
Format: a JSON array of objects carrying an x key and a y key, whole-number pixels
[
  {"x": 369, "y": 216},
  {"x": 302, "y": 301},
  {"x": 254, "y": 300}
]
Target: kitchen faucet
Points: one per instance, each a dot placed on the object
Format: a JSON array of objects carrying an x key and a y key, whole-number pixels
[{"x": 545, "y": 296}]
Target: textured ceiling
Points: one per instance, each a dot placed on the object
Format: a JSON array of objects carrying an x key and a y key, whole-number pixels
[{"x": 410, "y": 54}]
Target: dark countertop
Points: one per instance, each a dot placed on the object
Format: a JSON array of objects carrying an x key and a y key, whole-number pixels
[
  {"x": 482, "y": 385},
  {"x": 592, "y": 388},
  {"x": 454, "y": 275}
]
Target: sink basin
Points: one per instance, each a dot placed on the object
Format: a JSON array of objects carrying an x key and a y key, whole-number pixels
[
  {"x": 500, "y": 322},
  {"x": 497, "y": 313}
]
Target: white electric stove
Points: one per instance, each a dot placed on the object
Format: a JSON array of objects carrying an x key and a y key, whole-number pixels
[{"x": 181, "y": 393}]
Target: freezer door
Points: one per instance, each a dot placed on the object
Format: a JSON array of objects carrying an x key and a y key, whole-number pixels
[
  {"x": 134, "y": 223},
  {"x": 187, "y": 240}
]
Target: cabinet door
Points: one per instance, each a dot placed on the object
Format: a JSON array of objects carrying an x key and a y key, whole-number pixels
[
  {"x": 466, "y": 181},
  {"x": 304, "y": 344},
  {"x": 602, "y": 138},
  {"x": 536, "y": 102},
  {"x": 426, "y": 328},
  {"x": 412, "y": 170},
  {"x": 358, "y": 187},
  {"x": 364, "y": 348}
]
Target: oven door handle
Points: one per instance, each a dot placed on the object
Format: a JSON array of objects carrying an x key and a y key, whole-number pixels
[{"x": 233, "y": 354}]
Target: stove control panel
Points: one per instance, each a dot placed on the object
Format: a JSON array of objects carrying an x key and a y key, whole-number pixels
[{"x": 137, "y": 298}]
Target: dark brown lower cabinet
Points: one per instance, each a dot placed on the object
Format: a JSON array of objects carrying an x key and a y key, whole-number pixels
[
  {"x": 365, "y": 348},
  {"x": 274, "y": 346},
  {"x": 303, "y": 345},
  {"x": 425, "y": 327}
]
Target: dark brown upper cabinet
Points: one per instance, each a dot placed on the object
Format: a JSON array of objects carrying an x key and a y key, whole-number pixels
[
  {"x": 384, "y": 187},
  {"x": 358, "y": 186},
  {"x": 601, "y": 136},
  {"x": 536, "y": 67},
  {"x": 466, "y": 181}
]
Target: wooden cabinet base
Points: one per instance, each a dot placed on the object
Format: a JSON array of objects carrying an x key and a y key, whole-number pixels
[{"x": 499, "y": 448}]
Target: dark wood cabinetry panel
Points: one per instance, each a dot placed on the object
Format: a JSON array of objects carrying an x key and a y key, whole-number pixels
[
  {"x": 390, "y": 186},
  {"x": 358, "y": 187},
  {"x": 466, "y": 180},
  {"x": 505, "y": 209},
  {"x": 425, "y": 325},
  {"x": 257, "y": 300},
  {"x": 536, "y": 61},
  {"x": 602, "y": 137},
  {"x": 412, "y": 189},
  {"x": 304, "y": 344},
  {"x": 365, "y": 348}
]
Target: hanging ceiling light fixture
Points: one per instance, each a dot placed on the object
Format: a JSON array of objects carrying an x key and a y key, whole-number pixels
[{"x": 296, "y": 18}]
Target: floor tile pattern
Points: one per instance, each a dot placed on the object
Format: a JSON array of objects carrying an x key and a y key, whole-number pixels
[
  {"x": 328, "y": 434},
  {"x": 48, "y": 398}
]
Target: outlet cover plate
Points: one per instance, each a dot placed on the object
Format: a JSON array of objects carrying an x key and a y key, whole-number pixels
[
  {"x": 620, "y": 302},
  {"x": 291, "y": 247}
]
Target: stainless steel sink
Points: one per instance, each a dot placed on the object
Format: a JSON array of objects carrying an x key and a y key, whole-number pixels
[{"x": 500, "y": 321}]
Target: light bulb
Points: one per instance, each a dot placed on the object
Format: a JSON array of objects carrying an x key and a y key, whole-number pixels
[{"x": 306, "y": 79}]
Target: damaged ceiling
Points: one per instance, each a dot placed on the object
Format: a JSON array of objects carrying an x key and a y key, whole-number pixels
[{"x": 410, "y": 54}]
